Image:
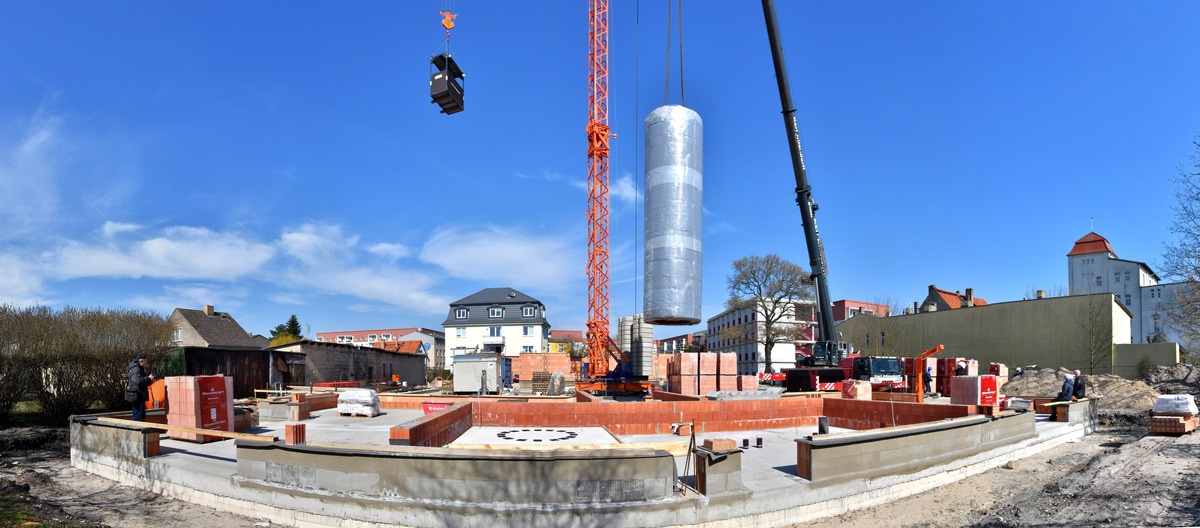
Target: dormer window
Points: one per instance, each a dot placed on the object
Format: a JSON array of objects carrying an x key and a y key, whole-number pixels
[
  {"x": 460, "y": 313},
  {"x": 495, "y": 312},
  {"x": 528, "y": 311}
]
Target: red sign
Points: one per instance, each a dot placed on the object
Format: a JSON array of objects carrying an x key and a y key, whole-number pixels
[{"x": 214, "y": 404}]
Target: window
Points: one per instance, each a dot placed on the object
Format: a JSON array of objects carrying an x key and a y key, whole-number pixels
[
  {"x": 460, "y": 332},
  {"x": 494, "y": 331},
  {"x": 387, "y": 337},
  {"x": 526, "y": 330},
  {"x": 176, "y": 335},
  {"x": 371, "y": 338},
  {"x": 495, "y": 312},
  {"x": 1128, "y": 299},
  {"x": 528, "y": 311},
  {"x": 1098, "y": 279},
  {"x": 460, "y": 313},
  {"x": 527, "y": 350},
  {"x": 1117, "y": 277}
]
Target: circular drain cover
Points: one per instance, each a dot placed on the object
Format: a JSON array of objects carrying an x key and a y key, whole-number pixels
[{"x": 536, "y": 435}]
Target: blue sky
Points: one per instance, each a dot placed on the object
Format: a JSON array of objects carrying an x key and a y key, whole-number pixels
[{"x": 275, "y": 158}]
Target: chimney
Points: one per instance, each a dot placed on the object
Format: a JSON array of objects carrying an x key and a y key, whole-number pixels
[
  {"x": 970, "y": 301},
  {"x": 1040, "y": 294},
  {"x": 916, "y": 307},
  {"x": 208, "y": 309}
]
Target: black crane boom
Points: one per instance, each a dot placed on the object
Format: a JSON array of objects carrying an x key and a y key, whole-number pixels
[{"x": 826, "y": 343}]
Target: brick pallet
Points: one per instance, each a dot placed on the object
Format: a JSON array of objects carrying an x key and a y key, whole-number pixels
[{"x": 1174, "y": 424}]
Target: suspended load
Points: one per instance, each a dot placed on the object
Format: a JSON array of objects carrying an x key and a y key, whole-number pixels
[
  {"x": 674, "y": 163},
  {"x": 444, "y": 84}
]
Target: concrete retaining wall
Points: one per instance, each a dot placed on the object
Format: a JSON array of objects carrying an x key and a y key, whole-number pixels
[
  {"x": 463, "y": 475},
  {"x": 870, "y": 414},
  {"x": 839, "y": 458}
]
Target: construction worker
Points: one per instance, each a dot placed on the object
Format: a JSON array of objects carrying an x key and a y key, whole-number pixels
[
  {"x": 1079, "y": 388},
  {"x": 137, "y": 390}
]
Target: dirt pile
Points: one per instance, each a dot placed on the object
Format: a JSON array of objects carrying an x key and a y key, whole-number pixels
[
  {"x": 1114, "y": 392},
  {"x": 1180, "y": 378}
]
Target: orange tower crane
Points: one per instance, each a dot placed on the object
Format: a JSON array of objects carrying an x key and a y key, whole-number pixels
[{"x": 599, "y": 343}]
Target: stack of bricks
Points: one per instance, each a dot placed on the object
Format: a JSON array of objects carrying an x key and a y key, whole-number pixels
[
  {"x": 708, "y": 373},
  {"x": 748, "y": 382},
  {"x": 1000, "y": 370},
  {"x": 298, "y": 408},
  {"x": 1174, "y": 424},
  {"x": 204, "y": 402},
  {"x": 727, "y": 371},
  {"x": 294, "y": 434}
]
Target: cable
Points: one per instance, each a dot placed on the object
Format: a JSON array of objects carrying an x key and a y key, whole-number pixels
[
  {"x": 637, "y": 144},
  {"x": 682, "y": 99},
  {"x": 667, "y": 66}
]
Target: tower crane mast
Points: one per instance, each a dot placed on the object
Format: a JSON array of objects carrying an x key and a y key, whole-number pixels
[{"x": 598, "y": 135}]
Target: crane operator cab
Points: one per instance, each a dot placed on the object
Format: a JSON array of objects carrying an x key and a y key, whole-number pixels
[{"x": 444, "y": 84}]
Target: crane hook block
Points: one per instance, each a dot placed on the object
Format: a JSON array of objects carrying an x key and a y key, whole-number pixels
[{"x": 444, "y": 83}]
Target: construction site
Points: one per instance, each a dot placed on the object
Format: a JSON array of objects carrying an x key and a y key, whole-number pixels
[{"x": 838, "y": 439}]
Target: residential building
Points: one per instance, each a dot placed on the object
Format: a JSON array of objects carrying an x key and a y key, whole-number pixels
[
  {"x": 1094, "y": 268},
  {"x": 433, "y": 341},
  {"x": 500, "y": 320},
  {"x": 566, "y": 342},
  {"x": 845, "y": 309},
  {"x": 741, "y": 331},
  {"x": 671, "y": 345},
  {"x": 939, "y": 299},
  {"x": 207, "y": 342},
  {"x": 210, "y": 328}
]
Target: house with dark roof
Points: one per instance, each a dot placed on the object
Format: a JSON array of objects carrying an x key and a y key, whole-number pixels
[
  {"x": 209, "y": 342},
  {"x": 501, "y": 320},
  {"x": 210, "y": 328}
]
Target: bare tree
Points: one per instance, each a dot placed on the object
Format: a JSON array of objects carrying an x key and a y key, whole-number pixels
[
  {"x": 1181, "y": 260},
  {"x": 887, "y": 333},
  {"x": 1094, "y": 322},
  {"x": 773, "y": 288}
]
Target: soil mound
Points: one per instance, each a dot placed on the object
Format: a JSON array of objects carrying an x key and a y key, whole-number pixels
[
  {"x": 1114, "y": 392},
  {"x": 1180, "y": 378}
]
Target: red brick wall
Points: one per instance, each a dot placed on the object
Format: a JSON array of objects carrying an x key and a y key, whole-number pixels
[
  {"x": 434, "y": 430},
  {"x": 654, "y": 417},
  {"x": 864, "y": 414}
]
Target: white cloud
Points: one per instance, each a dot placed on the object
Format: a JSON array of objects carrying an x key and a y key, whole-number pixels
[
  {"x": 20, "y": 282},
  {"x": 111, "y": 228},
  {"x": 624, "y": 190},
  {"x": 508, "y": 258},
  {"x": 392, "y": 251},
  {"x": 28, "y": 175},
  {"x": 324, "y": 261},
  {"x": 318, "y": 244},
  {"x": 179, "y": 253},
  {"x": 194, "y": 296}
]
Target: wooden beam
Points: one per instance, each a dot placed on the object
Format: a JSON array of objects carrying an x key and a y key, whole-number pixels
[{"x": 182, "y": 429}]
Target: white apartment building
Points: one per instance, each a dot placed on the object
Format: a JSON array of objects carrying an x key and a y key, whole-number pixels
[
  {"x": 738, "y": 331},
  {"x": 500, "y": 320},
  {"x": 1095, "y": 268}
]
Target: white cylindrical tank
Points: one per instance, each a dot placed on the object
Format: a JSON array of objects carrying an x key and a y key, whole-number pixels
[{"x": 674, "y": 165}]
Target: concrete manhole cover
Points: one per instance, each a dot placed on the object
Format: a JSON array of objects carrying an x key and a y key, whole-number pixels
[{"x": 537, "y": 435}]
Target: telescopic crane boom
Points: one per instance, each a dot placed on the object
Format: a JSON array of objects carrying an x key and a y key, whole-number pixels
[{"x": 826, "y": 342}]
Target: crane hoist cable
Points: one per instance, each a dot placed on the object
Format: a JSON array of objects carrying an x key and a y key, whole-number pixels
[{"x": 667, "y": 65}]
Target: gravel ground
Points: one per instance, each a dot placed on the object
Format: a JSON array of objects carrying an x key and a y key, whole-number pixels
[{"x": 1115, "y": 477}]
